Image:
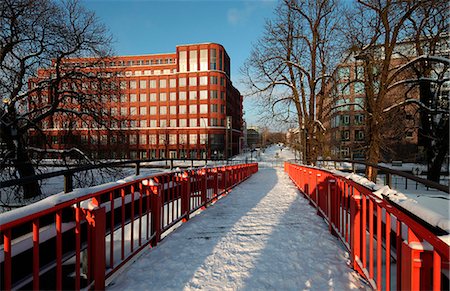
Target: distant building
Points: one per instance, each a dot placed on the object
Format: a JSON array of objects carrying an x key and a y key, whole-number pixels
[
  {"x": 346, "y": 130},
  {"x": 253, "y": 137},
  {"x": 177, "y": 105}
]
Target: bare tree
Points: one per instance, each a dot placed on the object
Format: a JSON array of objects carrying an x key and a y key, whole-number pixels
[
  {"x": 64, "y": 94},
  {"x": 381, "y": 42},
  {"x": 289, "y": 65}
]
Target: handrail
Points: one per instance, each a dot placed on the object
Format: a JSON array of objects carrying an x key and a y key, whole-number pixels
[
  {"x": 428, "y": 183},
  {"x": 367, "y": 224},
  {"x": 108, "y": 227}
]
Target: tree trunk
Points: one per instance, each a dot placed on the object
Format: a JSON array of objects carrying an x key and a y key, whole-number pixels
[
  {"x": 439, "y": 150},
  {"x": 373, "y": 151},
  {"x": 22, "y": 163}
]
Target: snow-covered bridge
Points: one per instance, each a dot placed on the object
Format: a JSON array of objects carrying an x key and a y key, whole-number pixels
[
  {"x": 262, "y": 235},
  {"x": 226, "y": 227}
]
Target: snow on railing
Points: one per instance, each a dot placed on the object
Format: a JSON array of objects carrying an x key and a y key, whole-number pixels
[
  {"x": 79, "y": 240},
  {"x": 388, "y": 247}
]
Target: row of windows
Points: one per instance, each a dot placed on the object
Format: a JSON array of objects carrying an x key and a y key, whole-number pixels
[
  {"x": 344, "y": 120},
  {"x": 122, "y": 63},
  {"x": 163, "y": 110},
  {"x": 153, "y": 123},
  {"x": 345, "y": 135},
  {"x": 144, "y": 139},
  {"x": 340, "y": 104},
  {"x": 182, "y": 82},
  {"x": 192, "y": 59},
  {"x": 161, "y": 97}
]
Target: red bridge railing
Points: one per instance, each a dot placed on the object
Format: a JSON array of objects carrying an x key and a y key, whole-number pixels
[
  {"x": 82, "y": 240},
  {"x": 388, "y": 248}
]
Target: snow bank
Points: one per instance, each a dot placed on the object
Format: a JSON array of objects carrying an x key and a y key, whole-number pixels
[{"x": 405, "y": 200}]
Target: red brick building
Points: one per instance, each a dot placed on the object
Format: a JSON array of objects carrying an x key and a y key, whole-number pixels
[{"x": 174, "y": 105}]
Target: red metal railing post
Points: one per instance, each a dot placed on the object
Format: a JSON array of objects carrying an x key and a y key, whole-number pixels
[
  {"x": 156, "y": 204},
  {"x": 417, "y": 263},
  {"x": 330, "y": 204},
  {"x": 204, "y": 188},
  {"x": 7, "y": 254},
  {"x": 99, "y": 260},
  {"x": 355, "y": 224},
  {"x": 186, "y": 196}
]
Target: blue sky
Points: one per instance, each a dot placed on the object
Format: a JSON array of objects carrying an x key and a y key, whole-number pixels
[{"x": 150, "y": 26}]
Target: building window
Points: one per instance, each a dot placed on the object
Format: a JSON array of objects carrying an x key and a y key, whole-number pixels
[
  {"x": 163, "y": 110},
  {"x": 152, "y": 110},
  {"x": 123, "y": 111},
  {"x": 192, "y": 122},
  {"x": 133, "y": 111},
  {"x": 142, "y": 97},
  {"x": 143, "y": 84},
  {"x": 143, "y": 110},
  {"x": 143, "y": 123},
  {"x": 203, "y": 122},
  {"x": 409, "y": 134},
  {"x": 193, "y": 108},
  {"x": 214, "y": 108},
  {"x": 203, "y": 80},
  {"x": 182, "y": 82},
  {"x": 152, "y": 97},
  {"x": 183, "y": 61},
  {"x": 222, "y": 95},
  {"x": 193, "y": 61},
  {"x": 203, "y": 139},
  {"x": 345, "y": 135},
  {"x": 152, "y": 139},
  {"x": 214, "y": 122},
  {"x": 182, "y": 95},
  {"x": 173, "y": 123},
  {"x": 133, "y": 98},
  {"x": 173, "y": 83},
  {"x": 182, "y": 122},
  {"x": 173, "y": 110},
  {"x": 192, "y": 81},
  {"x": 222, "y": 81},
  {"x": 192, "y": 95},
  {"x": 203, "y": 60},
  {"x": 173, "y": 96},
  {"x": 213, "y": 60},
  {"x": 344, "y": 73},
  {"x": 343, "y": 89},
  {"x": 133, "y": 139},
  {"x": 359, "y": 88},
  {"x": 162, "y": 97},
  {"x": 162, "y": 139},
  {"x": 203, "y": 94},
  {"x": 193, "y": 139},
  {"x": 172, "y": 139},
  {"x": 163, "y": 123},
  {"x": 153, "y": 84},
  {"x": 153, "y": 123},
  {"x": 213, "y": 80},
  {"x": 359, "y": 135},
  {"x": 162, "y": 83},
  {"x": 203, "y": 108},
  {"x": 113, "y": 111},
  {"x": 142, "y": 139},
  {"x": 360, "y": 73},
  {"x": 132, "y": 84},
  {"x": 123, "y": 98},
  {"x": 345, "y": 119},
  {"x": 123, "y": 84},
  {"x": 182, "y": 109},
  {"x": 213, "y": 94},
  {"x": 360, "y": 102}
]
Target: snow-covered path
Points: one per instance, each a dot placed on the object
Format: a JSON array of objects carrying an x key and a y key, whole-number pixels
[{"x": 263, "y": 235}]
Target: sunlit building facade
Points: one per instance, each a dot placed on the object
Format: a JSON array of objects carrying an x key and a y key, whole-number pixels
[{"x": 172, "y": 105}]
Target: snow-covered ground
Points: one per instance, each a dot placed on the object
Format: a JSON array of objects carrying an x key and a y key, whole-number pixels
[{"x": 263, "y": 235}]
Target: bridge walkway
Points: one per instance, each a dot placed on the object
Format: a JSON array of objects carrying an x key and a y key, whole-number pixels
[{"x": 262, "y": 235}]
